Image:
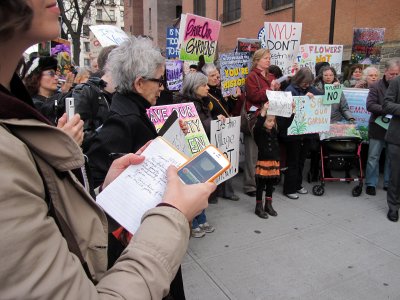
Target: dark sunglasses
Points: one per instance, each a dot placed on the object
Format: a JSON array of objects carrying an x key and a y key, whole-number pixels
[
  {"x": 159, "y": 80},
  {"x": 50, "y": 73}
]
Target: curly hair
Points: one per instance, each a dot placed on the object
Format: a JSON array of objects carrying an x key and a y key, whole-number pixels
[{"x": 15, "y": 15}]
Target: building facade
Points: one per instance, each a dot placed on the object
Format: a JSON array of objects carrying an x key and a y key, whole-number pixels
[
  {"x": 151, "y": 18},
  {"x": 245, "y": 19}
]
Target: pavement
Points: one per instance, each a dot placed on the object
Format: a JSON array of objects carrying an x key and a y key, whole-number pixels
[{"x": 335, "y": 246}]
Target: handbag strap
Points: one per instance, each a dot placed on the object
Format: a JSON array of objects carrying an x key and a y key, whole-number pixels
[{"x": 219, "y": 103}]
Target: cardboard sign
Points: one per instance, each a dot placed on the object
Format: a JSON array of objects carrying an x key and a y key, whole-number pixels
[
  {"x": 172, "y": 50},
  {"x": 310, "y": 54},
  {"x": 108, "y": 34},
  {"x": 333, "y": 93},
  {"x": 196, "y": 138},
  {"x": 234, "y": 69},
  {"x": 383, "y": 121},
  {"x": 226, "y": 137},
  {"x": 357, "y": 101},
  {"x": 312, "y": 116},
  {"x": 367, "y": 45},
  {"x": 340, "y": 130},
  {"x": 198, "y": 36},
  {"x": 61, "y": 50},
  {"x": 174, "y": 72},
  {"x": 283, "y": 40},
  {"x": 280, "y": 103}
]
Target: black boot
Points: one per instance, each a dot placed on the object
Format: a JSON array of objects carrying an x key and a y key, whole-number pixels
[
  {"x": 260, "y": 212},
  {"x": 269, "y": 209}
]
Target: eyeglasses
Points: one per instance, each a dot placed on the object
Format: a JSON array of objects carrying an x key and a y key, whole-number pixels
[
  {"x": 50, "y": 73},
  {"x": 159, "y": 80}
]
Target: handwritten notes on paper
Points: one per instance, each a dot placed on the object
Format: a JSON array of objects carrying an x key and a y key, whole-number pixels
[
  {"x": 333, "y": 93},
  {"x": 109, "y": 35},
  {"x": 280, "y": 103},
  {"x": 140, "y": 187}
]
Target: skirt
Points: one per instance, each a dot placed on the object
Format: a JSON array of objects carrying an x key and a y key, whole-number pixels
[{"x": 267, "y": 168}]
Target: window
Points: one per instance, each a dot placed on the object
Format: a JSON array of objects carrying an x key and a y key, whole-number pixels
[
  {"x": 121, "y": 14},
  {"x": 112, "y": 14},
  {"x": 199, "y": 7},
  {"x": 275, "y": 4},
  {"x": 121, "y": 3},
  {"x": 85, "y": 30},
  {"x": 87, "y": 46},
  {"x": 86, "y": 62},
  {"x": 232, "y": 10},
  {"x": 99, "y": 15}
]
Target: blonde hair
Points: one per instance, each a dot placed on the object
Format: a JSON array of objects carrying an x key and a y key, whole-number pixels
[{"x": 257, "y": 56}]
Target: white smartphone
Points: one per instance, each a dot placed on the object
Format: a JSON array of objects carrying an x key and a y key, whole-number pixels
[
  {"x": 69, "y": 107},
  {"x": 205, "y": 166}
]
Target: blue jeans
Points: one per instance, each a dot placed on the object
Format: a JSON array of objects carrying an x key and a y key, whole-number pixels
[
  {"x": 200, "y": 219},
  {"x": 372, "y": 172}
]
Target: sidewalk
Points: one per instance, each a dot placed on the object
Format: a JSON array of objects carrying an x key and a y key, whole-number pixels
[{"x": 331, "y": 247}]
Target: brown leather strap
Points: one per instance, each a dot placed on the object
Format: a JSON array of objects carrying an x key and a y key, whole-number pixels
[{"x": 219, "y": 103}]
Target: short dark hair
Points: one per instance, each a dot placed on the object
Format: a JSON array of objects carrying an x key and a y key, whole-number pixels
[
  {"x": 303, "y": 75},
  {"x": 353, "y": 68},
  {"x": 103, "y": 57},
  {"x": 15, "y": 15}
]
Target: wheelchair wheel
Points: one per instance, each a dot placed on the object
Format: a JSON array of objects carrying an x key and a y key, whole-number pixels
[
  {"x": 318, "y": 190},
  {"x": 357, "y": 190}
]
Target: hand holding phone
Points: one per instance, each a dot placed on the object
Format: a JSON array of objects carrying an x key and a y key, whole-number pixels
[
  {"x": 69, "y": 107},
  {"x": 205, "y": 166}
]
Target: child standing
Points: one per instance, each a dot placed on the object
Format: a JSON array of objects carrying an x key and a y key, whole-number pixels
[{"x": 268, "y": 166}]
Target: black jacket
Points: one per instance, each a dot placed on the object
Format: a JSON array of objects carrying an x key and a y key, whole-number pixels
[
  {"x": 92, "y": 103},
  {"x": 217, "y": 100},
  {"x": 126, "y": 130},
  {"x": 391, "y": 106},
  {"x": 376, "y": 96},
  {"x": 201, "y": 106},
  {"x": 53, "y": 107}
]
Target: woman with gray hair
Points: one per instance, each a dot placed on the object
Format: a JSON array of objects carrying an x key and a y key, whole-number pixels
[
  {"x": 195, "y": 90},
  {"x": 370, "y": 76}
]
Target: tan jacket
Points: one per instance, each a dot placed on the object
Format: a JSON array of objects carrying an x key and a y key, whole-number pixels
[{"x": 35, "y": 260}]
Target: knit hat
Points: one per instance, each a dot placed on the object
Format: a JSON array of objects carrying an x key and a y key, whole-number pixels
[{"x": 40, "y": 64}]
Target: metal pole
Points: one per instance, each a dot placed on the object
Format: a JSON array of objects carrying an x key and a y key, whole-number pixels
[
  {"x": 294, "y": 11},
  {"x": 332, "y": 25}
]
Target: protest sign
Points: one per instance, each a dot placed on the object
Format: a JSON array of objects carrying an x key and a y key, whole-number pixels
[
  {"x": 283, "y": 40},
  {"x": 61, "y": 50},
  {"x": 198, "y": 36},
  {"x": 384, "y": 121},
  {"x": 280, "y": 103},
  {"x": 367, "y": 45},
  {"x": 248, "y": 45},
  {"x": 108, "y": 35},
  {"x": 226, "y": 137},
  {"x": 333, "y": 93},
  {"x": 196, "y": 137},
  {"x": 310, "y": 54},
  {"x": 172, "y": 50},
  {"x": 357, "y": 101},
  {"x": 312, "y": 116},
  {"x": 174, "y": 72},
  {"x": 340, "y": 130},
  {"x": 94, "y": 46},
  {"x": 234, "y": 69}
]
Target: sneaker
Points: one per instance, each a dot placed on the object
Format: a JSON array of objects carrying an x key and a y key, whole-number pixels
[
  {"x": 198, "y": 233},
  {"x": 370, "y": 190},
  {"x": 293, "y": 196},
  {"x": 207, "y": 228},
  {"x": 302, "y": 191}
]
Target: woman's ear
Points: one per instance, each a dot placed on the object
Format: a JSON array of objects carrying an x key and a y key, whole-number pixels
[{"x": 137, "y": 85}]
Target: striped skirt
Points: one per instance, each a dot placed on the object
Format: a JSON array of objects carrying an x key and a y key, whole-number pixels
[{"x": 267, "y": 168}]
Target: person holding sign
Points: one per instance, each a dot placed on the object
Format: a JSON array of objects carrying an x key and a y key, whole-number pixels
[
  {"x": 257, "y": 82},
  {"x": 268, "y": 165},
  {"x": 339, "y": 111},
  {"x": 297, "y": 146}
]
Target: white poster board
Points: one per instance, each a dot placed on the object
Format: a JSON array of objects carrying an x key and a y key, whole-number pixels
[
  {"x": 280, "y": 103},
  {"x": 109, "y": 35}
]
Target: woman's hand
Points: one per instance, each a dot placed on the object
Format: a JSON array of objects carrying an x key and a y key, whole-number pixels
[
  {"x": 238, "y": 92},
  {"x": 222, "y": 118},
  {"x": 295, "y": 68},
  {"x": 74, "y": 127},
  {"x": 336, "y": 83},
  {"x": 189, "y": 199},
  {"x": 183, "y": 126},
  {"x": 69, "y": 81},
  {"x": 275, "y": 85},
  {"x": 119, "y": 165},
  {"x": 264, "y": 109},
  {"x": 293, "y": 107},
  {"x": 310, "y": 95}
]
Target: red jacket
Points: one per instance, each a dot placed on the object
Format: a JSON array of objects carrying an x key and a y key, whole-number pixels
[{"x": 256, "y": 85}]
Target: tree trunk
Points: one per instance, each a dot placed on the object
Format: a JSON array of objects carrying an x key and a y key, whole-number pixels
[{"x": 76, "y": 43}]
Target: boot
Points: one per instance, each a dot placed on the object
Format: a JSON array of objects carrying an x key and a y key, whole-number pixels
[
  {"x": 269, "y": 209},
  {"x": 260, "y": 212}
]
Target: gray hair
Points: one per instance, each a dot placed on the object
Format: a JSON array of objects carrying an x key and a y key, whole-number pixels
[
  {"x": 191, "y": 82},
  {"x": 134, "y": 58},
  {"x": 208, "y": 68},
  {"x": 367, "y": 70},
  {"x": 394, "y": 62}
]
